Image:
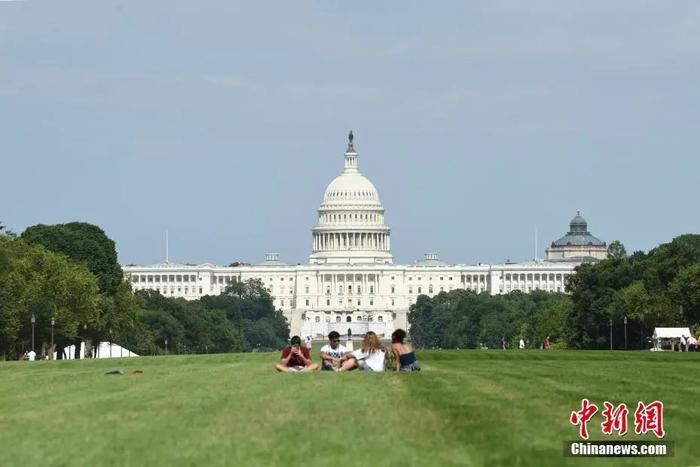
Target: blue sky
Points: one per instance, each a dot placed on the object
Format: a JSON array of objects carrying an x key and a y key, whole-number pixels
[{"x": 223, "y": 122}]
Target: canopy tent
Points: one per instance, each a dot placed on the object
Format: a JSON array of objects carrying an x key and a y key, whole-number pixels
[
  {"x": 662, "y": 336},
  {"x": 104, "y": 350},
  {"x": 671, "y": 333}
]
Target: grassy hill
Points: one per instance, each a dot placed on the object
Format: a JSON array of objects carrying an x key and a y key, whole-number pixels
[{"x": 465, "y": 408}]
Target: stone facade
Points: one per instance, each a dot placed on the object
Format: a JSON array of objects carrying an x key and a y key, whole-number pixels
[{"x": 350, "y": 282}]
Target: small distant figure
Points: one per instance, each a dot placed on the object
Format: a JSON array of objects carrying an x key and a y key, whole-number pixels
[
  {"x": 31, "y": 355},
  {"x": 521, "y": 345},
  {"x": 296, "y": 358},
  {"x": 682, "y": 344},
  {"x": 692, "y": 344},
  {"x": 370, "y": 357},
  {"x": 309, "y": 343},
  {"x": 332, "y": 353},
  {"x": 404, "y": 353},
  {"x": 503, "y": 343},
  {"x": 545, "y": 344}
]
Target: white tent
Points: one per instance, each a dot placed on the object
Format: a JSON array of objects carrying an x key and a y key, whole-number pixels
[
  {"x": 661, "y": 334},
  {"x": 104, "y": 350},
  {"x": 671, "y": 333}
]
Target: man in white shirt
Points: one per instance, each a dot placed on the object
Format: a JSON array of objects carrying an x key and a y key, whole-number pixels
[
  {"x": 31, "y": 355},
  {"x": 332, "y": 352}
]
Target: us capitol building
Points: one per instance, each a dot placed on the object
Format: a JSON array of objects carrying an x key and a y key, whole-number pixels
[{"x": 351, "y": 282}]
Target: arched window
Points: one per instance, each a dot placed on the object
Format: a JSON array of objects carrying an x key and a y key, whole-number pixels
[
  {"x": 337, "y": 319},
  {"x": 380, "y": 318},
  {"x": 318, "y": 319},
  {"x": 349, "y": 319}
]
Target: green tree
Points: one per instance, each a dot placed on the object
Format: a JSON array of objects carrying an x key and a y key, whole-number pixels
[
  {"x": 83, "y": 243},
  {"x": 36, "y": 281},
  {"x": 684, "y": 291},
  {"x": 616, "y": 251}
]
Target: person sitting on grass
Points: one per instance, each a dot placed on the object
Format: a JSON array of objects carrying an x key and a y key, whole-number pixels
[
  {"x": 368, "y": 358},
  {"x": 296, "y": 358},
  {"x": 332, "y": 352},
  {"x": 405, "y": 356}
]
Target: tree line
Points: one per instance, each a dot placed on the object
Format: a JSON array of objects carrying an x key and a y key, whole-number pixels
[
  {"x": 67, "y": 278},
  {"x": 626, "y": 295}
]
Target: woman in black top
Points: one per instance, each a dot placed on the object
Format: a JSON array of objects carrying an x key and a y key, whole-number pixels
[{"x": 403, "y": 352}]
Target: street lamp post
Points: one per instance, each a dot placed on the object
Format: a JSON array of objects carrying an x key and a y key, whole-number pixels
[
  {"x": 53, "y": 323},
  {"x": 625, "y": 321},
  {"x": 610, "y": 324},
  {"x": 33, "y": 320}
]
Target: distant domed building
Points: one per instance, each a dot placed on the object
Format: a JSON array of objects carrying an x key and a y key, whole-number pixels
[
  {"x": 578, "y": 245},
  {"x": 351, "y": 282},
  {"x": 350, "y": 228}
]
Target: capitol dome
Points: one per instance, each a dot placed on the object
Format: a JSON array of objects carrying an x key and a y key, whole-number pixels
[
  {"x": 350, "y": 226},
  {"x": 351, "y": 188}
]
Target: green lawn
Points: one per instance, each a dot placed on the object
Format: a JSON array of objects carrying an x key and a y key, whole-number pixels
[{"x": 466, "y": 408}]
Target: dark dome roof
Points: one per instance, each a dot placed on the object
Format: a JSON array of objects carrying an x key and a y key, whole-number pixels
[{"x": 578, "y": 234}]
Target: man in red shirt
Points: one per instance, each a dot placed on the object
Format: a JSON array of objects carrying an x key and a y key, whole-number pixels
[{"x": 296, "y": 358}]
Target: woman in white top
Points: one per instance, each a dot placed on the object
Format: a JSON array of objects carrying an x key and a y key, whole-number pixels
[{"x": 370, "y": 357}]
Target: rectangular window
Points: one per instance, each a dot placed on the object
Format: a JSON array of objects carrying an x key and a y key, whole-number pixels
[
  {"x": 186, "y": 278},
  {"x": 420, "y": 290},
  {"x": 157, "y": 278},
  {"x": 193, "y": 278},
  {"x": 306, "y": 289},
  {"x": 200, "y": 291},
  {"x": 392, "y": 289},
  {"x": 307, "y": 302},
  {"x": 328, "y": 303},
  {"x": 371, "y": 303},
  {"x": 281, "y": 302}
]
